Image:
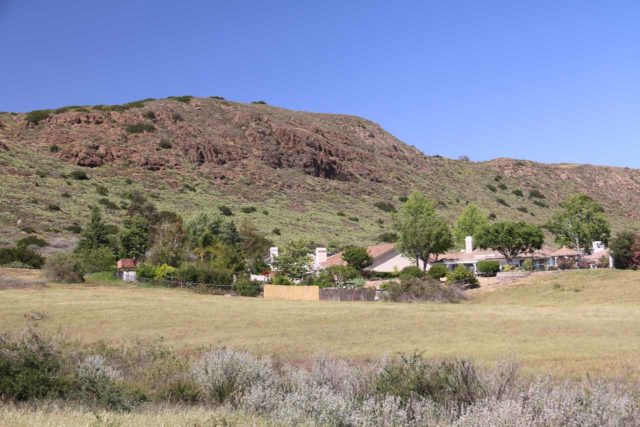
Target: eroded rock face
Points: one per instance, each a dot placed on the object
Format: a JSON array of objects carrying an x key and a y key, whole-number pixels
[{"x": 222, "y": 137}]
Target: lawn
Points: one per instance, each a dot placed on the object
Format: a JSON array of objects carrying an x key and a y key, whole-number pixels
[{"x": 567, "y": 324}]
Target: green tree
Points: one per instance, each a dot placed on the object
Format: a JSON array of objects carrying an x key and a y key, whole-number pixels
[
  {"x": 135, "y": 237},
  {"x": 96, "y": 234},
  {"x": 169, "y": 244},
  {"x": 294, "y": 260},
  {"x": 623, "y": 250},
  {"x": 357, "y": 257},
  {"x": 253, "y": 244},
  {"x": 470, "y": 222},
  {"x": 579, "y": 222},
  {"x": 511, "y": 239},
  {"x": 422, "y": 233}
]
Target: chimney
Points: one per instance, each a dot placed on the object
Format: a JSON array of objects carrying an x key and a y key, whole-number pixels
[
  {"x": 321, "y": 255},
  {"x": 598, "y": 246},
  {"x": 273, "y": 253},
  {"x": 468, "y": 244}
]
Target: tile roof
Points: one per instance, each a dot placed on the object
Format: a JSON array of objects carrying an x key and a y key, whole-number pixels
[
  {"x": 565, "y": 251},
  {"x": 375, "y": 252}
]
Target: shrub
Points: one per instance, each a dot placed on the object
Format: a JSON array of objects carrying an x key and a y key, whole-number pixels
[
  {"x": 31, "y": 241},
  {"x": 411, "y": 271},
  {"x": 176, "y": 117},
  {"x": 357, "y": 257},
  {"x": 492, "y": 188},
  {"x": 340, "y": 213},
  {"x": 102, "y": 190},
  {"x": 415, "y": 289},
  {"x": 145, "y": 271},
  {"x": 53, "y": 207},
  {"x": 388, "y": 237},
  {"x": 74, "y": 228},
  {"x": 540, "y": 204},
  {"x": 249, "y": 209},
  {"x": 54, "y": 148},
  {"x": 536, "y": 194},
  {"x": 79, "y": 175},
  {"x": 140, "y": 128},
  {"x": 165, "y": 144},
  {"x": 502, "y": 201},
  {"x": 247, "y": 288},
  {"x": 403, "y": 198},
  {"x": 518, "y": 193},
  {"x": 97, "y": 259},
  {"x": 259, "y": 102},
  {"x": 107, "y": 203},
  {"x": 149, "y": 115},
  {"x": 224, "y": 374},
  {"x": 502, "y": 186},
  {"x": 164, "y": 272},
  {"x": 523, "y": 209},
  {"x": 21, "y": 254},
  {"x": 438, "y": 271},
  {"x": 219, "y": 98},
  {"x": 354, "y": 219},
  {"x": 31, "y": 368},
  {"x": 343, "y": 275},
  {"x": 462, "y": 275},
  {"x": 64, "y": 267},
  {"x": 385, "y": 206},
  {"x": 37, "y": 116},
  {"x": 276, "y": 231},
  {"x": 527, "y": 265},
  {"x": 488, "y": 268},
  {"x": 566, "y": 263},
  {"x": 281, "y": 280},
  {"x": 225, "y": 210},
  {"x": 185, "y": 98}
]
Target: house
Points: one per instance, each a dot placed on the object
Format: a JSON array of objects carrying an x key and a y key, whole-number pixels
[
  {"x": 386, "y": 259},
  {"x": 470, "y": 256},
  {"x": 126, "y": 269}
]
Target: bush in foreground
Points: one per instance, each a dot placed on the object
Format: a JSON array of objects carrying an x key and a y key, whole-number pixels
[
  {"x": 64, "y": 267},
  {"x": 488, "y": 268},
  {"x": 414, "y": 289}
]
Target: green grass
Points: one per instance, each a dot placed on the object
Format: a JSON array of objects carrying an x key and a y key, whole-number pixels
[{"x": 567, "y": 324}]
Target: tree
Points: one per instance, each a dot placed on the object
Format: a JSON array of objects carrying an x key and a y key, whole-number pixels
[
  {"x": 293, "y": 260},
  {"x": 96, "y": 234},
  {"x": 469, "y": 223},
  {"x": 422, "y": 233},
  {"x": 169, "y": 244},
  {"x": 253, "y": 244},
  {"x": 357, "y": 257},
  {"x": 135, "y": 237},
  {"x": 579, "y": 222},
  {"x": 624, "y": 250},
  {"x": 511, "y": 238}
]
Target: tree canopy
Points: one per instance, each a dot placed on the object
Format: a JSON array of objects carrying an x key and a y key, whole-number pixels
[
  {"x": 511, "y": 238},
  {"x": 293, "y": 260},
  {"x": 357, "y": 257},
  {"x": 422, "y": 233},
  {"x": 579, "y": 222},
  {"x": 470, "y": 222}
]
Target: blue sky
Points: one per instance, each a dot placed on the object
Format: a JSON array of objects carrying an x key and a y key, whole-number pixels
[{"x": 553, "y": 81}]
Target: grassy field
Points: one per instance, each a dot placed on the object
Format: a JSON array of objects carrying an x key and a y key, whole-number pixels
[{"x": 567, "y": 324}]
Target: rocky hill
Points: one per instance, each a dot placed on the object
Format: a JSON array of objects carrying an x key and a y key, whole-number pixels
[{"x": 332, "y": 178}]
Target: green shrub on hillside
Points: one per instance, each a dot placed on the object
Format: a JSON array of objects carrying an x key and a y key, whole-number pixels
[
  {"x": 411, "y": 271},
  {"x": 536, "y": 194},
  {"x": 21, "y": 254},
  {"x": 150, "y": 115},
  {"x": 492, "y": 188},
  {"x": 54, "y": 148},
  {"x": 37, "y": 116},
  {"x": 540, "y": 204},
  {"x": 78, "y": 175},
  {"x": 140, "y": 128},
  {"x": 385, "y": 206},
  {"x": 165, "y": 144},
  {"x": 225, "y": 210},
  {"x": 518, "y": 193},
  {"x": 248, "y": 209},
  {"x": 502, "y": 202},
  {"x": 388, "y": 237}
]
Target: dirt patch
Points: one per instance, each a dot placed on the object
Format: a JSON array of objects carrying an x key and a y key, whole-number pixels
[{"x": 17, "y": 278}]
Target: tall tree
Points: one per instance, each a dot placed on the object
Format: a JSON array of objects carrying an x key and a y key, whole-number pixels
[
  {"x": 579, "y": 222},
  {"x": 293, "y": 260},
  {"x": 135, "y": 237},
  {"x": 95, "y": 235},
  {"x": 422, "y": 234},
  {"x": 625, "y": 250},
  {"x": 511, "y": 239},
  {"x": 169, "y": 244},
  {"x": 253, "y": 244},
  {"x": 470, "y": 222}
]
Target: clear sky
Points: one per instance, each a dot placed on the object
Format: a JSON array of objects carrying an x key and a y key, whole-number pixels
[{"x": 553, "y": 81}]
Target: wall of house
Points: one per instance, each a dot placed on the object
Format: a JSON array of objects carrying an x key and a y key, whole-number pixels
[{"x": 392, "y": 261}]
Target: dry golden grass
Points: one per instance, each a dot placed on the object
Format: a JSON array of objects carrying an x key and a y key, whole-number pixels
[
  {"x": 567, "y": 324},
  {"x": 51, "y": 415}
]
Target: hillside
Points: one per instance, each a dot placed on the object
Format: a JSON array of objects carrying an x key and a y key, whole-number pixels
[{"x": 317, "y": 175}]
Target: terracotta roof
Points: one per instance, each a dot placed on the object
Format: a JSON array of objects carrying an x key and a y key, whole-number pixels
[
  {"x": 565, "y": 251},
  {"x": 375, "y": 252},
  {"x": 597, "y": 255},
  {"x": 126, "y": 264}
]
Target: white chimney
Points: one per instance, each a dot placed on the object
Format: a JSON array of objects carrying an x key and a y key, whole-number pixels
[
  {"x": 321, "y": 255},
  {"x": 598, "y": 246},
  {"x": 273, "y": 253},
  {"x": 468, "y": 244}
]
